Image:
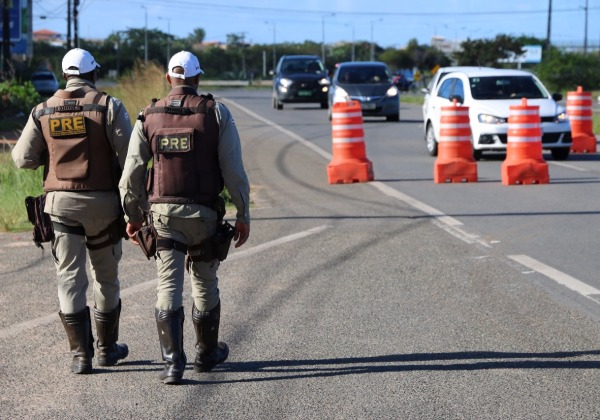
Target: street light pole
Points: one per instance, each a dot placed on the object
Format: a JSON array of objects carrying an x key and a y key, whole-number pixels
[
  {"x": 372, "y": 58},
  {"x": 145, "y": 34},
  {"x": 353, "y": 49},
  {"x": 585, "y": 38},
  {"x": 323, "y": 33},
  {"x": 274, "y": 43},
  {"x": 168, "y": 37}
]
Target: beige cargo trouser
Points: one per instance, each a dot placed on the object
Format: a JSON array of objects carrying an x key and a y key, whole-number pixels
[
  {"x": 171, "y": 264},
  {"x": 69, "y": 254}
]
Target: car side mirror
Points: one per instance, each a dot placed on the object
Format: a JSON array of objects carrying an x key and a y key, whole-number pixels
[
  {"x": 425, "y": 91},
  {"x": 271, "y": 73},
  {"x": 557, "y": 97},
  {"x": 458, "y": 98}
]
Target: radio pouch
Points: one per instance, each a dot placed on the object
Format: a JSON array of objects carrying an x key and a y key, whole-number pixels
[{"x": 42, "y": 225}]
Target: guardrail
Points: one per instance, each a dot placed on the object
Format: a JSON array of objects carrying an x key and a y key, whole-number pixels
[{"x": 235, "y": 83}]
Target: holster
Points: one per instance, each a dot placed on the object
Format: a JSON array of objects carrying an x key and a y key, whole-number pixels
[
  {"x": 42, "y": 225},
  {"x": 147, "y": 236},
  {"x": 217, "y": 246}
]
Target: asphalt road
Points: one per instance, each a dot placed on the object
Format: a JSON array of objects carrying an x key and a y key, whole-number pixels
[{"x": 398, "y": 298}]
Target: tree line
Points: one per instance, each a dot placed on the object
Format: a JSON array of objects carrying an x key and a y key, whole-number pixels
[{"x": 236, "y": 59}]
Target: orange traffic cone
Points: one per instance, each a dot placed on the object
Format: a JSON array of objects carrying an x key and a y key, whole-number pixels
[
  {"x": 349, "y": 163},
  {"x": 579, "y": 110},
  {"x": 455, "y": 162},
  {"x": 524, "y": 163}
]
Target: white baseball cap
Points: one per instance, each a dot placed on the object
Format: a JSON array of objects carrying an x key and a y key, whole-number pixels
[
  {"x": 189, "y": 62},
  {"x": 81, "y": 59}
]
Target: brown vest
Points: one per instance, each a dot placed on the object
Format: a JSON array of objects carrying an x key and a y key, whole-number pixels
[
  {"x": 183, "y": 132},
  {"x": 80, "y": 155}
]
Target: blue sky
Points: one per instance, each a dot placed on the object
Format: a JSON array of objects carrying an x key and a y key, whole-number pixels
[{"x": 386, "y": 22}]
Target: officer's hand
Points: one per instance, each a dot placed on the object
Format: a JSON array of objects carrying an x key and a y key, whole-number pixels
[
  {"x": 131, "y": 229},
  {"x": 242, "y": 231}
]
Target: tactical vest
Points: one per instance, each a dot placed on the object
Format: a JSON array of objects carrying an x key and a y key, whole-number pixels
[
  {"x": 183, "y": 132},
  {"x": 80, "y": 155}
]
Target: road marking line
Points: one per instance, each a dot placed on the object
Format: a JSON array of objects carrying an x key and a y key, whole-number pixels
[
  {"x": 47, "y": 319},
  {"x": 287, "y": 132},
  {"x": 558, "y": 276},
  {"x": 450, "y": 222},
  {"x": 566, "y": 165}
]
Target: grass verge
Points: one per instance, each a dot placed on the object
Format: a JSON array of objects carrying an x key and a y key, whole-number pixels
[{"x": 15, "y": 185}]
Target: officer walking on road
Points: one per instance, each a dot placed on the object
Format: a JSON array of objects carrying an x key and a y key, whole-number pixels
[
  {"x": 81, "y": 136},
  {"x": 196, "y": 151}
]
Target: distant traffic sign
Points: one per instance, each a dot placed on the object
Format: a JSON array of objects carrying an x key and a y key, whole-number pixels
[{"x": 14, "y": 16}]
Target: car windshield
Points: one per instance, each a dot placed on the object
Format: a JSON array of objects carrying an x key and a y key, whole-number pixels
[
  {"x": 303, "y": 66},
  {"x": 505, "y": 87},
  {"x": 364, "y": 75}
]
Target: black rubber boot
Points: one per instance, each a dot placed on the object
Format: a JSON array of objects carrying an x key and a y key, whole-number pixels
[
  {"x": 170, "y": 334},
  {"x": 107, "y": 328},
  {"x": 81, "y": 341},
  {"x": 211, "y": 351}
]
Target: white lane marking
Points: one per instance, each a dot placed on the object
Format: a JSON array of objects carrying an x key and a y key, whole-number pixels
[
  {"x": 558, "y": 276},
  {"x": 451, "y": 224},
  {"x": 277, "y": 127},
  {"x": 566, "y": 165},
  {"x": 427, "y": 209},
  {"x": 47, "y": 319}
]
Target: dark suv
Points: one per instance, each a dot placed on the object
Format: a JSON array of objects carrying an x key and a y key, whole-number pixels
[{"x": 300, "y": 79}]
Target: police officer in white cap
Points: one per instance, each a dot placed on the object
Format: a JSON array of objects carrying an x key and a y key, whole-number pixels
[
  {"x": 196, "y": 151},
  {"x": 80, "y": 136}
]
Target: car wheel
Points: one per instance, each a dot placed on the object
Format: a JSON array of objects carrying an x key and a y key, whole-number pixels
[
  {"x": 278, "y": 105},
  {"x": 430, "y": 141},
  {"x": 561, "y": 153},
  {"x": 394, "y": 117},
  {"x": 477, "y": 154}
]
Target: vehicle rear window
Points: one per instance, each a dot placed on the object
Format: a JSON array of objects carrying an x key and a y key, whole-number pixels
[
  {"x": 505, "y": 87},
  {"x": 364, "y": 75},
  {"x": 302, "y": 66}
]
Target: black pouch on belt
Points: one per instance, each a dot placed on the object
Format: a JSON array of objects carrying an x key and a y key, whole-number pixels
[
  {"x": 221, "y": 241},
  {"x": 147, "y": 237},
  {"x": 42, "y": 225}
]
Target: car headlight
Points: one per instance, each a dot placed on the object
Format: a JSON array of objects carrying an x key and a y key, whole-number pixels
[
  {"x": 324, "y": 81},
  {"x": 285, "y": 82},
  {"x": 562, "y": 117},
  {"x": 393, "y": 91},
  {"x": 491, "y": 119},
  {"x": 340, "y": 95}
]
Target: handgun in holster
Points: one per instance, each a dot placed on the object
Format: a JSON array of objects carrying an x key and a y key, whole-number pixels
[
  {"x": 147, "y": 236},
  {"x": 221, "y": 240}
]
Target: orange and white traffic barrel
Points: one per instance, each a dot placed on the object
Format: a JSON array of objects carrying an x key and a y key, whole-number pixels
[
  {"x": 349, "y": 162},
  {"x": 579, "y": 110},
  {"x": 455, "y": 162},
  {"x": 524, "y": 163}
]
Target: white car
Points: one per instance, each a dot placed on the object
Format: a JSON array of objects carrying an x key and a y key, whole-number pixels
[{"x": 488, "y": 93}]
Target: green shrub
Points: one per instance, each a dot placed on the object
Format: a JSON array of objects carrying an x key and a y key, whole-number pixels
[{"x": 17, "y": 99}]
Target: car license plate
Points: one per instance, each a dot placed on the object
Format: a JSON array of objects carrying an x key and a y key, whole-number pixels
[
  {"x": 304, "y": 93},
  {"x": 368, "y": 106}
]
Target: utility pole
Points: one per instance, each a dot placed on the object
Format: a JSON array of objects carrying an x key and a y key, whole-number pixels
[
  {"x": 585, "y": 37},
  {"x": 68, "y": 24},
  {"x": 76, "y": 23},
  {"x": 5, "y": 38},
  {"x": 549, "y": 25}
]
